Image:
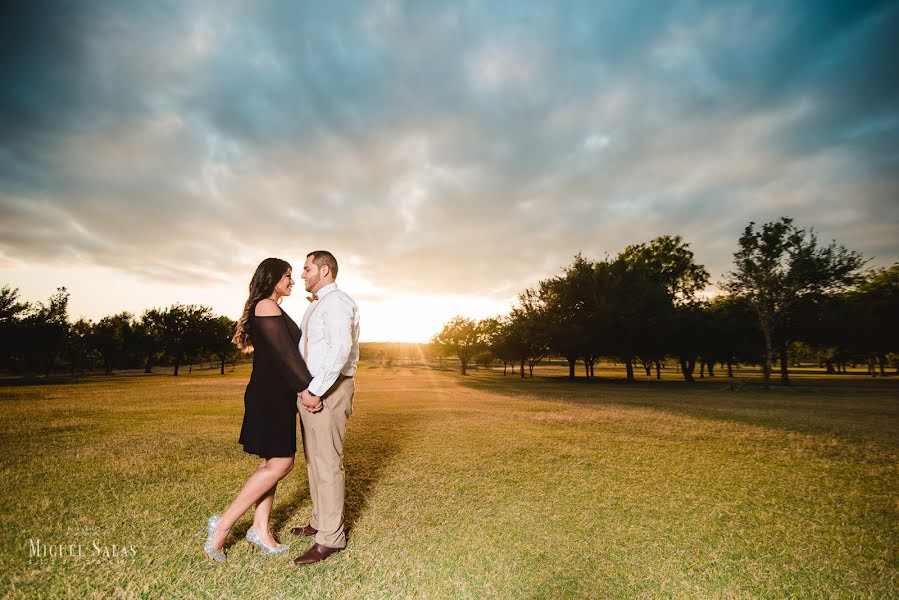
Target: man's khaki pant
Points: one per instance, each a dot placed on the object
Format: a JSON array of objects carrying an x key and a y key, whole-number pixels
[{"x": 323, "y": 434}]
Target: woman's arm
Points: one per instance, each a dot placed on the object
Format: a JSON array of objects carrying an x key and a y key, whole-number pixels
[{"x": 274, "y": 333}]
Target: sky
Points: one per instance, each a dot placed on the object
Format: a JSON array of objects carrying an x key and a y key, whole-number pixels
[{"x": 450, "y": 154}]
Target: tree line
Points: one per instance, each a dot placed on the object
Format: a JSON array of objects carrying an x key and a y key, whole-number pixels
[
  {"x": 38, "y": 337},
  {"x": 646, "y": 306}
]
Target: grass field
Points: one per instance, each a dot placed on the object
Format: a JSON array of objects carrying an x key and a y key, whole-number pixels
[{"x": 478, "y": 487}]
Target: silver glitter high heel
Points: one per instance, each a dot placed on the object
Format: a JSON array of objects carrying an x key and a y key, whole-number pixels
[
  {"x": 210, "y": 550},
  {"x": 257, "y": 541}
]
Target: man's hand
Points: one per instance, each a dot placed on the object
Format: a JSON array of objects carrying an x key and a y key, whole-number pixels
[{"x": 310, "y": 402}]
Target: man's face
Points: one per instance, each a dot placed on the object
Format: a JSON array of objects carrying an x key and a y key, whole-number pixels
[{"x": 311, "y": 274}]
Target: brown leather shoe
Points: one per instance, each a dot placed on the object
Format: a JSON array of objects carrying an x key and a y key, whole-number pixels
[
  {"x": 306, "y": 530},
  {"x": 316, "y": 553}
]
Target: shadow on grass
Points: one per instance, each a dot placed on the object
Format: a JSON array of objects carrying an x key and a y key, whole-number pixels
[
  {"x": 368, "y": 453},
  {"x": 849, "y": 411}
]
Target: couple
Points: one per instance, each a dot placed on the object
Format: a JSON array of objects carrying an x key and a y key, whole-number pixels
[{"x": 307, "y": 369}]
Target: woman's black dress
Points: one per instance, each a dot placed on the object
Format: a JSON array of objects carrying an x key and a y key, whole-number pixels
[{"x": 279, "y": 374}]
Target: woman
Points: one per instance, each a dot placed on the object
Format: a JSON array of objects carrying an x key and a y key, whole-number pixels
[{"x": 269, "y": 424}]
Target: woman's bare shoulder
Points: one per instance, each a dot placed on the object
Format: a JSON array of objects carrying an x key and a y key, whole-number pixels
[{"x": 267, "y": 308}]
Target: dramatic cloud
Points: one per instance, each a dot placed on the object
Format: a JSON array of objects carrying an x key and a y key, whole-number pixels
[{"x": 441, "y": 148}]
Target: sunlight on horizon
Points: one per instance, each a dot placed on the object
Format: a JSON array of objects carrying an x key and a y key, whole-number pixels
[
  {"x": 416, "y": 318},
  {"x": 97, "y": 292}
]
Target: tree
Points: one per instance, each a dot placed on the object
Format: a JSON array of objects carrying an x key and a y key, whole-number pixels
[
  {"x": 11, "y": 314},
  {"x": 687, "y": 337},
  {"x": 111, "y": 337},
  {"x": 217, "y": 334},
  {"x": 148, "y": 337},
  {"x": 779, "y": 266},
  {"x": 79, "y": 343},
  {"x": 529, "y": 329},
  {"x": 569, "y": 311},
  {"x": 630, "y": 302},
  {"x": 672, "y": 263},
  {"x": 462, "y": 337},
  {"x": 45, "y": 332},
  {"x": 490, "y": 330},
  {"x": 500, "y": 338},
  {"x": 733, "y": 335},
  {"x": 182, "y": 334},
  {"x": 679, "y": 317},
  {"x": 875, "y": 315}
]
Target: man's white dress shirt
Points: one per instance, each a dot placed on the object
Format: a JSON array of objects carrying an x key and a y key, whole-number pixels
[{"x": 331, "y": 325}]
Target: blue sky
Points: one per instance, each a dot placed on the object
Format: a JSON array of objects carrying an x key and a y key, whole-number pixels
[{"x": 449, "y": 154}]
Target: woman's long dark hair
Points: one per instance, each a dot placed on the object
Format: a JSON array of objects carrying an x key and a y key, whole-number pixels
[{"x": 267, "y": 275}]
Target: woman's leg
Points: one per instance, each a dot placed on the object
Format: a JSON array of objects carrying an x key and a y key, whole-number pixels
[
  {"x": 270, "y": 472},
  {"x": 261, "y": 516}
]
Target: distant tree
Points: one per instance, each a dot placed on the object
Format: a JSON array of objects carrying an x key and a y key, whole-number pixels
[
  {"x": 217, "y": 334},
  {"x": 672, "y": 263},
  {"x": 79, "y": 344},
  {"x": 779, "y": 266},
  {"x": 111, "y": 337},
  {"x": 12, "y": 311},
  {"x": 733, "y": 334},
  {"x": 490, "y": 330},
  {"x": 148, "y": 337},
  {"x": 530, "y": 329},
  {"x": 630, "y": 301},
  {"x": 461, "y": 337},
  {"x": 875, "y": 315},
  {"x": 668, "y": 261},
  {"x": 500, "y": 338},
  {"x": 45, "y": 332},
  {"x": 689, "y": 335},
  {"x": 569, "y": 312},
  {"x": 182, "y": 331}
]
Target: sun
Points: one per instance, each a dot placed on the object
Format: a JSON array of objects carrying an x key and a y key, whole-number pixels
[{"x": 416, "y": 318}]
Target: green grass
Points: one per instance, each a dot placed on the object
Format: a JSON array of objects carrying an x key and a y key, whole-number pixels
[{"x": 479, "y": 487}]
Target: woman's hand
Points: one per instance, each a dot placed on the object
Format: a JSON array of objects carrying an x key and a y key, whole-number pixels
[{"x": 308, "y": 401}]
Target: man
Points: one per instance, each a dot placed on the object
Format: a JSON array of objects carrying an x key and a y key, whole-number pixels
[{"x": 330, "y": 346}]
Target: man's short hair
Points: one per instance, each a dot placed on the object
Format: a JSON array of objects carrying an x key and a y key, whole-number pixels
[{"x": 322, "y": 258}]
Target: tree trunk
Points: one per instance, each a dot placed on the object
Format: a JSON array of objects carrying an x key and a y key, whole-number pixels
[
  {"x": 177, "y": 364},
  {"x": 592, "y": 362},
  {"x": 647, "y": 366},
  {"x": 148, "y": 366},
  {"x": 223, "y": 365},
  {"x": 769, "y": 351},
  {"x": 629, "y": 365},
  {"x": 702, "y": 364},
  {"x": 711, "y": 366},
  {"x": 571, "y": 364},
  {"x": 658, "y": 370},
  {"x": 882, "y": 359},
  {"x": 505, "y": 365},
  {"x": 531, "y": 368},
  {"x": 784, "y": 371},
  {"x": 730, "y": 369},
  {"x": 464, "y": 366},
  {"x": 521, "y": 368},
  {"x": 829, "y": 364},
  {"x": 587, "y": 368},
  {"x": 687, "y": 367}
]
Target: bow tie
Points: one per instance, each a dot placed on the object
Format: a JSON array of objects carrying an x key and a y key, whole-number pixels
[{"x": 312, "y": 298}]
